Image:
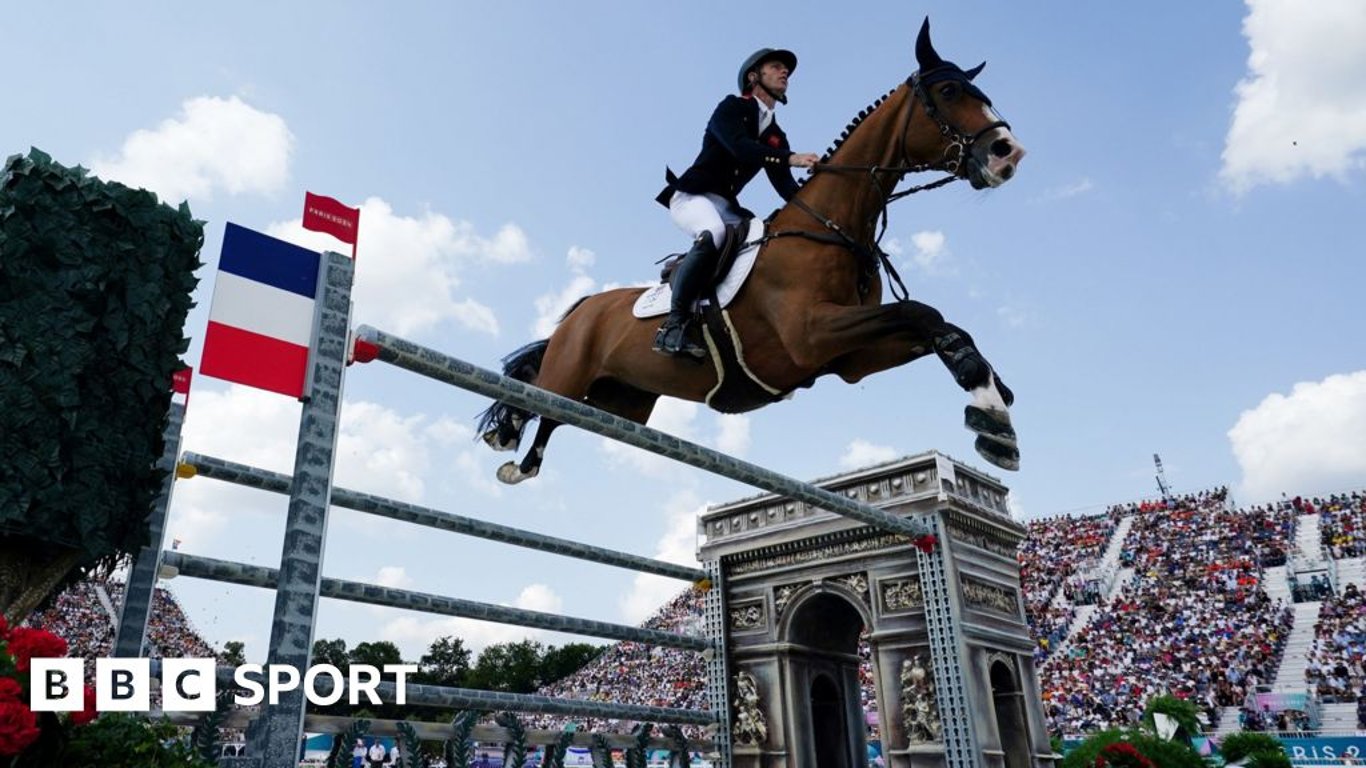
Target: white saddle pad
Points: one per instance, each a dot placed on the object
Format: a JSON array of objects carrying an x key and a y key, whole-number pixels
[{"x": 655, "y": 301}]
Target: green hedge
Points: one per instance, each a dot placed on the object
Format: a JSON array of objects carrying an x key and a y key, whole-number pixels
[{"x": 95, "y": 283}]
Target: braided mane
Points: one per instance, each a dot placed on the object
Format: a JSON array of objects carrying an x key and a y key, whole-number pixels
[{"x": 848, "y": 131}]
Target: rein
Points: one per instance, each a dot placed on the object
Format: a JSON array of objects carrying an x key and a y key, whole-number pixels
[{"x": 960, "y": 143}]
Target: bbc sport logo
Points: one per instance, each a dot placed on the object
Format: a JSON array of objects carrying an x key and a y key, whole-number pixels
[{"x": 191, "y": 684}]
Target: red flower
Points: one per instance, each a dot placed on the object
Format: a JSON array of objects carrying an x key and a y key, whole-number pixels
[
  {"x": 4, "y": 627},
  {"x": 18, "y": 727},
  {"x": 925, "y": 542},
  {"x": 10, "y": 689},
  {"x": 89, "y": 713},
  {"x": 26, "y": 644}
]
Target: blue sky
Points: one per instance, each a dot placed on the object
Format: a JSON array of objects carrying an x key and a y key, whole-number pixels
[{"x": 1175, "y": 269}]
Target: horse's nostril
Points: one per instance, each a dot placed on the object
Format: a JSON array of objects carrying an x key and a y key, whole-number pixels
[
  {"x": 1007, "y": 172},
  {"x": 1000, "y": 148}
]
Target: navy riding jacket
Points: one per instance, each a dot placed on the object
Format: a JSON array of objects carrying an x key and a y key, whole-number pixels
[{"x": 733, "y": 152}]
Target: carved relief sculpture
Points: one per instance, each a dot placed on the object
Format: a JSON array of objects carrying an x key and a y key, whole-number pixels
[
  {"x": 901, "y": 595},
  {"x": 747, "y": 617},
  {"x": 919, "y": 709},
  {"x": 858, "y": 583},
  {"x": 750, "y": 726}
]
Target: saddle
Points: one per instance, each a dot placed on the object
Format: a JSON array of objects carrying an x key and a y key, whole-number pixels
[{"x": 736, "y": 235}]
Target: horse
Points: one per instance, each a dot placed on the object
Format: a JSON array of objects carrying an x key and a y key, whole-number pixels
[{"x": 812, "y": 304}]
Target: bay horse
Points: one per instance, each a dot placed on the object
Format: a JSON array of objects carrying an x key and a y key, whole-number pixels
[{"x": 812, "y": 304}]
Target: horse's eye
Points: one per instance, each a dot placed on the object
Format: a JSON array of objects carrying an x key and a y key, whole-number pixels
[{"x": 949, "y": 92}]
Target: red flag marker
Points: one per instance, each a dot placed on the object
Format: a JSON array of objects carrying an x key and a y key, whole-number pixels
[{"x": 325, "y": 214}]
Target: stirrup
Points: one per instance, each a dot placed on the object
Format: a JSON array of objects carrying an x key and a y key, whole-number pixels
[{"x": 672, "y": 339}]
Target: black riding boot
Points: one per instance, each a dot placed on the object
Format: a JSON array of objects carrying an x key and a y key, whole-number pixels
[{"x": 689, "y": 279}]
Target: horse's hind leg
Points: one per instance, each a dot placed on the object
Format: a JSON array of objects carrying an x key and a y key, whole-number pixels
[{"x": 512, "y": 472}]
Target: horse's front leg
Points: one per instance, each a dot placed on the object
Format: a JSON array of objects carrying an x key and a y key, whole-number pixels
[{"x": 864, "y": 340}]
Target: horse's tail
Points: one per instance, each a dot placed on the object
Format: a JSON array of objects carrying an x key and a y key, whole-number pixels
[{"x": 507, "y": 422}]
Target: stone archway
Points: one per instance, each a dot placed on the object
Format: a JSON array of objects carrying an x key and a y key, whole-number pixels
[
  {"x": 1008, "y": 704},
  {"x": 821, "y": 629}
]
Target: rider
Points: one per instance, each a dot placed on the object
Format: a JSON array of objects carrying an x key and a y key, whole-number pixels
[{"x": 741, "y": 138}]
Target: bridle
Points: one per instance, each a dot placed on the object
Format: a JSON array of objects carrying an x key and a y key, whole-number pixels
[{"x": 960, "y": 143}]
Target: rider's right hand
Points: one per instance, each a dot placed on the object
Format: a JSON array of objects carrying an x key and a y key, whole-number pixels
[{"x": 802, "y": 159}]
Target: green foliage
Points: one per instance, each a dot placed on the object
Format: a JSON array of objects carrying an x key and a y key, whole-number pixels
[
  {"x": 446, "y": 662},
  {"x": 205, "y": 736},
  {"x": 1236, "y": 746},
  {"x": 602, "y": 752},
  {"x": 1167, "y": 754},
  {"x": 376, "y": 654},
  {"x": 555, "y": 753},
  {"x": 460, "y": 748},
  {"x": 331, "y": 652},
  {"x": 636, "y": 756},
  {"x": 122, "y": 740},
  {"x": 514, "y": 751},
  {"x": 678, "y": 748},
  {"x": 342, "y": 744},
  {"x": 559, "y": 663},
  {"x": 1277, "y": 759},
  {"x": 1183, "y": 712},
  {"x": 233, "y": 653},
  {"x": 95, "y": 283},
  {"x": 511, "y": 667},
  {"x": 411, "y": 747}
]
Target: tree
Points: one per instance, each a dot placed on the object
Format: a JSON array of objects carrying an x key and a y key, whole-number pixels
[
  {"x": 559, "y": 663},
  {"x": 95, "y": 284},
  {"x": 446, "y": 662},
  {"x": 332, "y": 652},
  {"x": 1166, "y": 754},
  {"x": 233, "y": 653},
  {"x": 511, "y": 667},
  {"x": 376, "y": 654},
  {"x": 1183, "y": 712},
  {"x": 1237, "y": 746}
]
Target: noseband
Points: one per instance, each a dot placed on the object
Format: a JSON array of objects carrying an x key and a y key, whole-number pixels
[{"x": 960, "y": 143}]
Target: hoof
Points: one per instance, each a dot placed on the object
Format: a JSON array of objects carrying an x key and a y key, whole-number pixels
[
  {"x": 491, "y": 439},
  {"x": 512, "y": 474},
  {"x": 1004, "y": 456},
  {"x": 991, "y": 424}
]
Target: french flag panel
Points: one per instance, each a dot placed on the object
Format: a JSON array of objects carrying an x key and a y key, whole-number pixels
[{"x": 261, "y": 320}]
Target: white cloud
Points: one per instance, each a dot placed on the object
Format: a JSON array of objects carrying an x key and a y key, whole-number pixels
[
  {"x": 415, "y": 635},
  {"x": 732, "y": 433},
  {"x": 1079, "y": 187},
  {"x": 550, "y": 306},
  {"x": 213, "y": 144},
  {"x": 1012, "y": 316},
  {"x": 678, "y": 418},
  {"x": 1301, "y": 107},
  {"x": 580, "y": 259},
  {"x": 678, "y": 545},
  {"x": 408, "y": 267},
  {"x": 393, "y": 577},
  {"x": 931, "y": 253},
  {"x": 1303, "y": 443},
  {"x": 862, "y": 453},
  {"x": 378, "y": 451}
]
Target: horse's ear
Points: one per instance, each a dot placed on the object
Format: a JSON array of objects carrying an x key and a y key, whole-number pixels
[
  {"x": 975, "y": 71},
  {"x": 924, "y": 49}
]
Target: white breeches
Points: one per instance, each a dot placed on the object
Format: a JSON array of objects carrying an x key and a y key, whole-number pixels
[{"x": 696, "y": 214}]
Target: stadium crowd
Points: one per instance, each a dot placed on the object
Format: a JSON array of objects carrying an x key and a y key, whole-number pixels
[
  {"x": 1342, "y": 522},
  {"x": 1193, "y": 618},
  {"x": 1056, "y": 556}
]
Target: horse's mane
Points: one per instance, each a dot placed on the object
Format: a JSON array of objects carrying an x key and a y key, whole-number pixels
[
  {"x": 854, "y": 123},
  {"x": 849, "y": 130}
]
